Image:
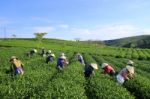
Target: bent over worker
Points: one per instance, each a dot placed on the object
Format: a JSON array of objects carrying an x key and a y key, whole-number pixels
[
  {"x": 108, "y": 69},
  {"x": 80, "y": 58},
  {"x": 16, "y": 66},
  {"x": 50, "y": 58},
  {"x": 31, "y": 53},
  {"x": 125, "y": 74},
  {"x": 62, "y": 61},
  {"x": 43, "y": 52},
  {"x": 89, "y": 69}
]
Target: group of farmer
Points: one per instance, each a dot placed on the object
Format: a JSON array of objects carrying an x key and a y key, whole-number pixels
[{"x": 126, "y": 73}]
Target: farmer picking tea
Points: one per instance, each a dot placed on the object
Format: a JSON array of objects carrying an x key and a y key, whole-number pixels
[
  {"x": 108, "y": 69},
  {"x": 62, "y": 61},
  {"x": 32, "y": 52},
  {"x": 80, "y": 58},
  {"x": 125, "y": 74},
  {"x": 16, "y": 66},
  {"x": 50, "y": 57},
  {"x": 89, "y": 69},
  {"x": 48, "y": 52},
  {"x": 43, "y": 52}
]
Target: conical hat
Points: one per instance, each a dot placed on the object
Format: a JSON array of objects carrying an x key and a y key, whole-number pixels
[
  {"x": 130, "y": 62},
  {"x": 104, "y": 65},
  {"x": 35, "y": 50},
  {"x": 130, "y": 69},
  {"x": 49, "y": 51},
  {"x": 52, "y": 55},
  {"x": 94, "y": 65},
  {"x": 63, "y": 57},
  {"x": 62, "y": 54},
  {"x": 78, "y": 54},
  {"x": 13, "y": 57}
]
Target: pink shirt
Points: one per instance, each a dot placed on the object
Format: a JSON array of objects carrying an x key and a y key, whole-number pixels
[
  {"x": 108, "y": 69},
  {"x": 124, "y": 72}
]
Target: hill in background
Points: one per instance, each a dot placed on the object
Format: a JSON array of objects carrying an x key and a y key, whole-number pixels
[{"x": 142, "y": 41}]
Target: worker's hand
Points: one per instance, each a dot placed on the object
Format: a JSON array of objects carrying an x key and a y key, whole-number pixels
[
  {"x": 67, "y": 63},
  {"x": 127, "y": 78}
]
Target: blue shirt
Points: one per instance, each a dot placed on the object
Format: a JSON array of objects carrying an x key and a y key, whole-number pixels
[
  {"x": 60, "y": 62},
  {"x": 88, "y": 70}
]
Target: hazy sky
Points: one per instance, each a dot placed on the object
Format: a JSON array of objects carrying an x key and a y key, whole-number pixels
[{"x": 69, "y": 19}]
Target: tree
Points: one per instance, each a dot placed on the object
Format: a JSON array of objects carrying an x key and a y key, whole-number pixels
[{"x": 39, "y": 37}]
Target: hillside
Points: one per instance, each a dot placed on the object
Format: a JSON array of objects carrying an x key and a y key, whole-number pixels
[{"x": 142, "y": 41}]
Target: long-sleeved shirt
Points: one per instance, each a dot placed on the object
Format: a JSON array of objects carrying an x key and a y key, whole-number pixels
[
  {"x": 88, "y": 70},
  {"x": 16, "y": 64},
  {"x": 108, "y": 69},
  {"x": 124, "y": 73},
  {"x": 60, "y": 62}
]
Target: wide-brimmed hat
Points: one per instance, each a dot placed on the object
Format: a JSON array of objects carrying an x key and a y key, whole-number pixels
[
  {"x": 130, "y": 69},
  {"x": 62, "y": 54},
  {"x": 35, "y": 50},
  {"x": 104, "y": 65},
  {"x": 49, "y": 51},
  {"x": 130, "y": 62},
  {"x": 13, "y": 57},
  {"x": 94, "y": 65},
  {"x": 52, "y": 55},
  {"x": 62, "y": 57},
  {"x": 78, "y": 54}
]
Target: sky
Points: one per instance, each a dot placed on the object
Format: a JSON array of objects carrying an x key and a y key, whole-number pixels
[{"x": 71, "y": 19}]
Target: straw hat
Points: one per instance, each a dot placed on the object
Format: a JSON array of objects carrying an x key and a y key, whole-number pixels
[
  {"x": 94, "y": 65},
  {"x": 49, "y": 51},
  {"x": 130, "y": 62},
  {"x": 130, "y": 69},
  {"x": 63, "y": 57},
  {"x": 104, "y": 65},
  {"x": 62, "y": 54},
  {"x": 78, "y": 54},
  {"x": 35, "y": 50},
  {"x": 52, "y": 55},
  {"x": 13, "y": 57}
]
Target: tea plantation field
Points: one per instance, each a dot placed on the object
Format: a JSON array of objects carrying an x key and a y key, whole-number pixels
[{"x": 44, "y": 81}]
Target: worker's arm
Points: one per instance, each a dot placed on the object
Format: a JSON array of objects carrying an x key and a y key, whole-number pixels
[
  {"x": 131, "y": 75},
  {"x": 125, "y": 75}
]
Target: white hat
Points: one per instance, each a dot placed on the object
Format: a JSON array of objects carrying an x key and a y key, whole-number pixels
[
  {"x": 52, "y": 55},
  {"x": 94, "y": 65},
  {"x": 35, "y": 50},
  {"x": 78, "y": 54},
  {"x": 104, "y": 65},
  {"x": 63, "y": 57},
  {"x": 49, "y": 51},
  {"x": 130, "y": 69},
  {"x": 130, "y": 62},
  {"x": 62, "y": 54},
  {"x": 13, "y": 57}
]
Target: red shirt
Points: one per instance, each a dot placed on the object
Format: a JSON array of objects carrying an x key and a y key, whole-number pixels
[{"x": 108, "y": 69}]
